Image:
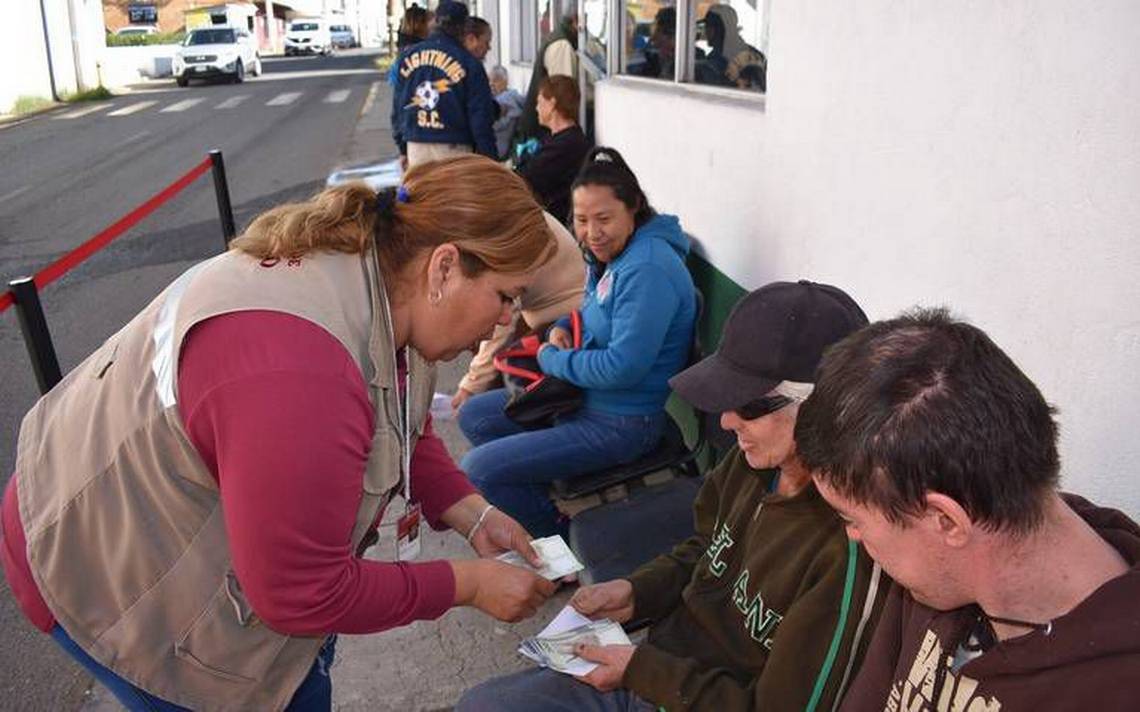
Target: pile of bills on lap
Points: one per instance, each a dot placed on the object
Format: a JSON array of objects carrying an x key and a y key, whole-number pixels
[
  {"x": 554, "y": 646},
  {"x": 557, "y": 558}
]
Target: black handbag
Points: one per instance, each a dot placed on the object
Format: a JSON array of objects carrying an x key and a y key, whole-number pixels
[{"x": 537, "y": 399}]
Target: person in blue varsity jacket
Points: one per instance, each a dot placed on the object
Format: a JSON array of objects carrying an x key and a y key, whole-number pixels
[{"x": 442, "y": 103}]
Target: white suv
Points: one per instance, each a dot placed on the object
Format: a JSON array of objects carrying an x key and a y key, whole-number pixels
[
  {"x": 216, "y": 52},
  {"x": 308, "y": 36}
]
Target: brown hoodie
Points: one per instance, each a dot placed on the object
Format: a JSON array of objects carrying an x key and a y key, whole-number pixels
[
  {"x": 1088, "y": 660},
  {"x": 766, "y": 607}
]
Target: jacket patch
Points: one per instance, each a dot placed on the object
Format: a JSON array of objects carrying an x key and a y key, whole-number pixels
[
  {"x": 605, "y": 284},
  {"x": 439, "y": 59},
  {"x": 425, "y": 99},
  {"x": 916, "y": 692}
]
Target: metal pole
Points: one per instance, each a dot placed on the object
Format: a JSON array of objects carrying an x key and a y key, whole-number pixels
[
  {"x": 222, "y": 192},
  {"x": 36, "y": 335},
  {"x": 47, "y": 49}
]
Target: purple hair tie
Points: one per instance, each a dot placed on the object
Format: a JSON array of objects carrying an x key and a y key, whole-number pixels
[{"x": 402, "y": 195}]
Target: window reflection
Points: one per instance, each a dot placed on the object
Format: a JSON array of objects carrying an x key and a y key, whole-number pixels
[
  {"x": 597, "y": 25},
  {"x": 731, "y": 44},
  {"x": 650, "y": 39}
]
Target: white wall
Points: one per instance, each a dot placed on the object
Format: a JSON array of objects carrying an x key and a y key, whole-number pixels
[
  {"x": 981, "y": 155},
  {"x": 27, "y": 43},
  {"x": 27, "y": 70}
]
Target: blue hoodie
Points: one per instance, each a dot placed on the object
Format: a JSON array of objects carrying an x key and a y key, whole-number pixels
[{"x": 637, "y": 324}]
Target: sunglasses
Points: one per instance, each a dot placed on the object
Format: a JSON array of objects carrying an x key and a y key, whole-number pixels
[{"x": 762, "y": 406}]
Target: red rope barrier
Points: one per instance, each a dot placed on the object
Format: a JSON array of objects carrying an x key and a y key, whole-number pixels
[{"x": 64, "y": 264}]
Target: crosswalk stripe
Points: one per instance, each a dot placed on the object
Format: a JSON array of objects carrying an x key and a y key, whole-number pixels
[
  {"x": 337, "y": 96},
  {"x": 84, "y": 111},
  {"x": 282, "y": 99},
  {"x": 132, "y": 108},
  {"x": 232, "y": 101},
  {"x": 180, "y": 106}
]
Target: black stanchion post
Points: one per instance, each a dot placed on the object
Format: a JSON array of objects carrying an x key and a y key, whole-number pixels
[
  {"x": 222, "y": 191},
  {"x": 36, "y": 335}
]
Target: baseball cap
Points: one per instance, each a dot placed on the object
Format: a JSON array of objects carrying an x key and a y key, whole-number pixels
[{"x": 775, "y": 333}]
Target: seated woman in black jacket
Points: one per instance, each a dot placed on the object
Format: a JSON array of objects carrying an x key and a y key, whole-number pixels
[{"x": 551, "y": 171}]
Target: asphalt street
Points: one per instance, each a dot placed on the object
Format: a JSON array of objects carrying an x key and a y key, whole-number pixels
[{"x": 69, "y": 173}]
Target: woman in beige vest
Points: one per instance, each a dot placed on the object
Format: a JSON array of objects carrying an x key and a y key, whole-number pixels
[{"x": 192, "y": 502}]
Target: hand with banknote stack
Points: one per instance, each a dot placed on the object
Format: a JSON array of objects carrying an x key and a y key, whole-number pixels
[{"x": 557, "y": 646}]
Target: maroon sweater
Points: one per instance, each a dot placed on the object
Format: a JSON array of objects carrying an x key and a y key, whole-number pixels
[{"x": 280, "y": 414}]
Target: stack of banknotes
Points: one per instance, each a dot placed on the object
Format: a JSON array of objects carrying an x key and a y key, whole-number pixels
[{"x": 554, "y": 647}]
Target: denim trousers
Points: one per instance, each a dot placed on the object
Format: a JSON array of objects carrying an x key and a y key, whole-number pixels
[
  {"x": 313, "y": 695},
  {"x": 542, "y": 690},
  {"x": 513, "y": 467}
]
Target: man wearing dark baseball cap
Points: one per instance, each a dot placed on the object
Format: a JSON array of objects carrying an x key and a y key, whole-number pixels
[{"x": 768, "y": 605}]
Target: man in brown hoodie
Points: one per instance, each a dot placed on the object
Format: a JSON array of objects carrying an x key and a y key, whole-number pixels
[{"x": 941, "y": 456}]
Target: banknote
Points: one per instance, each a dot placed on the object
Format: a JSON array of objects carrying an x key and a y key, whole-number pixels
[
  {"x": 555, "y": 646},
  {"x": 557, "y": 558}
]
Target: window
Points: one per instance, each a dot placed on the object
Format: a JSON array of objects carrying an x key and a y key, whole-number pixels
[
  {"x": 204, "y": 37},
  {"x": 731, "y": 45},
  {"x": 524, "y": 21},
  {"x": 725, "y": 45},
  {"x": 142, "y": 14},
  {"x": 650, "y": 41},
  {"x": 597, "y": 33}
]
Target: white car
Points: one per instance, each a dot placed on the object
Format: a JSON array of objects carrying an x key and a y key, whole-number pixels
[
  {"x": 342, "y": 36},
  {"x": 135, "y": 30},
  {"x": 216, "y": 52},
  {"x": 308, "y": 36}
]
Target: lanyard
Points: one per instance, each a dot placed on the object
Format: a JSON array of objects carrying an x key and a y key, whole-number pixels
[{"x": 406, "y": 461}]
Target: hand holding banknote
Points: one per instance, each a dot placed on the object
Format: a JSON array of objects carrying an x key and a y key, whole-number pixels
[
  {"x": 612, "y": 661},
  {"x": 509, "y": 593}
]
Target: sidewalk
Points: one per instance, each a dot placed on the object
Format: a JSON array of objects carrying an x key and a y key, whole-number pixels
[{"x": 426, "y": 665}]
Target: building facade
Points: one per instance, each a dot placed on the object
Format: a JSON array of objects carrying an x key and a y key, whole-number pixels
[{"x": 982, "y": 156}]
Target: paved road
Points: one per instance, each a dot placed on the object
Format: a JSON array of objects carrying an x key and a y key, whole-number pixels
[{"x": 69, "y": 173}]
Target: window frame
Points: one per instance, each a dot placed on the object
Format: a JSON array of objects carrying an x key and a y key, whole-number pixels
[{"x": 684, "y": 59}]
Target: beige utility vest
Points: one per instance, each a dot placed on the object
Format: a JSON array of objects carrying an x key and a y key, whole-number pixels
[{"x": 123, "y": 519}]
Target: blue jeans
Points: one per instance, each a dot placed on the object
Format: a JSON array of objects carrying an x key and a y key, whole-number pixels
[
  {"x": 513, "y": 466},
  {"x": 542, "y": 690},
  {"x": 313, "y": 695}
]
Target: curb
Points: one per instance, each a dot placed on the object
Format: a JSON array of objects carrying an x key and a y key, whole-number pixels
[{"x": 9, "y": 120}]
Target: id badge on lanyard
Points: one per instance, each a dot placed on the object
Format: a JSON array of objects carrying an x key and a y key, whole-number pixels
[{"x": 408, "y": 525}]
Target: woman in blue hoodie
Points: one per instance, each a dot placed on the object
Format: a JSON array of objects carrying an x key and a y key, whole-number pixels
[{"x": 638, "y": 317}]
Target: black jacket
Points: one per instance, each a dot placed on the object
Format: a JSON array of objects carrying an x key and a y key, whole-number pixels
[
  {"x": 442, "y": 95},
  {"x": 551, "y": 171}
]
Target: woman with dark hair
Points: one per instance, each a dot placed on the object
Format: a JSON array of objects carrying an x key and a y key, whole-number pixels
[
  {"x": 551, "y": 170},
  {"x": 414, "y": 27},
  {"x": 638, "y": 317}
]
